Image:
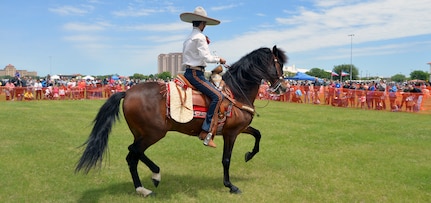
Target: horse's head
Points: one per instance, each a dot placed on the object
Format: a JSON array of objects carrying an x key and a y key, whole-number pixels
[
  {"x": 280, "y": 59},
  {"x": 250, "y": 70}
]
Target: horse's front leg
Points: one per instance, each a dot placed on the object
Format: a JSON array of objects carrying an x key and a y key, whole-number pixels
[
  {"x": 229, "y": 142},
  {"x": 256, "y": 134}
]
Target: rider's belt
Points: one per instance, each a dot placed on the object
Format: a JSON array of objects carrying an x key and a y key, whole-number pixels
[{"x": 200, "y": 68}]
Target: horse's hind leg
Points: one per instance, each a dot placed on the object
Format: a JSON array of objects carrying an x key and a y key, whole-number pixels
[{"x": 132, "y": 160}]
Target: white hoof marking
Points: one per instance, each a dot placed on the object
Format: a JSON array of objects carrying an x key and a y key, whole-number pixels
[
  {"x": 157, "y": 176},
  {"x": 143, "y": 191}
]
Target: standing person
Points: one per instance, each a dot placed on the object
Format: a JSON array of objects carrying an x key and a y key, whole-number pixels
[
  {"x": 317, "y": 85},
  {"x": 370, "y": 95},
  {"x": 331, "y": 92},
  {"x": 360, "y": 94},
  {"x": 286, "y": 94},
  {"x": 38, "y": 89},
  {"x": 352, "y": 94},
  {"x": 306, "y": 87},
  {"x": 9, "y": 90},
  {"x": 392, "y": 97},
  {"x": 17, "y": 74},
  {"x": 381, "y": 87},
  {"x": 196, "y": 55}
]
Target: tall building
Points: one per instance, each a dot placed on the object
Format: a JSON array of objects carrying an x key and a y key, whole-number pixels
[
  {"x": 170, "y": 63},
  {"x": 10, "y": 70}
]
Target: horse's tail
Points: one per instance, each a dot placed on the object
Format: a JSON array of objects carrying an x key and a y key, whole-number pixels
[{"x": 98, "y": 139}]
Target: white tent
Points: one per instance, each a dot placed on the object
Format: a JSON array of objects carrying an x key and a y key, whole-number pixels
[
  {"x": 55, "y": 77},
  {"x": 294, "y": 69},
  {"x": 88, "y": 77}
]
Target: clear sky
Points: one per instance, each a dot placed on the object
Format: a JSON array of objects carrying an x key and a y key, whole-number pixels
[{"x": 101, "y": 37}]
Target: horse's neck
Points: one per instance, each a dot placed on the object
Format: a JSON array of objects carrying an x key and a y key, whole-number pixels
[
  {"x": 247, "y": 96},
  {"x": 244, "y": 93}
]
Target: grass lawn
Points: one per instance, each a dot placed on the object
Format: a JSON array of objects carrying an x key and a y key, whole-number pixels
[{"x": 309, "y": 153}]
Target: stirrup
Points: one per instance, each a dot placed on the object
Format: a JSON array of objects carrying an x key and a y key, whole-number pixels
[{"x": 207, "y": 139}]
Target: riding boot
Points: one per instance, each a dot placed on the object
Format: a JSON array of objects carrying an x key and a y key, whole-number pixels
[
  {"x": 211, "y": 143},
  {"x": 209, "y": 140}
]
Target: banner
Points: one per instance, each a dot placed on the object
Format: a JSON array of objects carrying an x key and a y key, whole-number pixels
[{"x": 344, "y": 73}]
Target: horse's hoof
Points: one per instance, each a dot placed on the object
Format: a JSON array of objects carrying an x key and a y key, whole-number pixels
[
  {"x": 235, "y": 190},
  {"x": 156, "y": 179},
  {"x": 155, "y": 182},
  {"x": 144, "y": 192},
  {"x": 248, "y": 156}
]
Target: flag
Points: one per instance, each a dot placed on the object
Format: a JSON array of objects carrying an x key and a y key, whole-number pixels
[
  {"x": 344, "y": 73},
  {"x": 334, "y": 73}
]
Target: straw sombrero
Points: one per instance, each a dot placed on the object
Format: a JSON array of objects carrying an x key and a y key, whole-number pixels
[{"x": 199, "y": 14}]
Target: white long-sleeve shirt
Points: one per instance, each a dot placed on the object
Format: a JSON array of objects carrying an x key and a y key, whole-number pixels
[
  {"x": 37, "y": 85},
  {"x": 196, "y": 51}
]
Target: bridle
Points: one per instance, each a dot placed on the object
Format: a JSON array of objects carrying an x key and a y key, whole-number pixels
[{"x": 279, "y": 68}]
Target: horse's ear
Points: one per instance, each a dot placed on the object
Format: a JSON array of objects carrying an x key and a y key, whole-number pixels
[{"x": 274, "y": 50}]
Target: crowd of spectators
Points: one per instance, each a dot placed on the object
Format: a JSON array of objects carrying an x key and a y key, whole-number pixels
[
  {"x": 28, "y": 88},
  {"x": 377, "y": 95}
]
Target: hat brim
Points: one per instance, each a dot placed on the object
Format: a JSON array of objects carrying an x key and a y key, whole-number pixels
[{"x": 190, "y": 17}]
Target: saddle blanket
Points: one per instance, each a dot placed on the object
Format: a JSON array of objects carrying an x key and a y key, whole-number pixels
[{"x": 180, "y": 103}]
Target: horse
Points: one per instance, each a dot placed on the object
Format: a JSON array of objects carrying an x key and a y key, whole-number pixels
[{"x": 144, "y": 109}]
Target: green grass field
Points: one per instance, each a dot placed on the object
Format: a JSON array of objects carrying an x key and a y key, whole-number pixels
[{"x": 309, "y": 153}]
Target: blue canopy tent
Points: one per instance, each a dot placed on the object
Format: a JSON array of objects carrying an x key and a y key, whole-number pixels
[{"x": 301, "y": 76}]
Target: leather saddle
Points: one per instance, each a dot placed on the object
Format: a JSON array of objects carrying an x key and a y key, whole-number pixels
[{"x": 198, "y": 98}]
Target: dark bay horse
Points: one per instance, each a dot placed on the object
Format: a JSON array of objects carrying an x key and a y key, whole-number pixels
[{"x": 144, "y": 108}]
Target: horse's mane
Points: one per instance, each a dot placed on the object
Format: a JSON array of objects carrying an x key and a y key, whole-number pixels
[{"x": 251, "y": 69}]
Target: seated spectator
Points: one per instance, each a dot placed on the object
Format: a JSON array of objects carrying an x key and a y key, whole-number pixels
[
  {"x": 297, "y": 95},
  {"x": 48, "y": 93},
  {"x": 28, "y": 95},
  {"x": 55, "y": 92}
]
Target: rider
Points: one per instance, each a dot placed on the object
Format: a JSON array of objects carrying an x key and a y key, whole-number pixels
[{"x": 196, "y": 55}]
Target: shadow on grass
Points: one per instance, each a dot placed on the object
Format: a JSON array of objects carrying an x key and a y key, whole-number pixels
[{"x": 168, "y": 189}]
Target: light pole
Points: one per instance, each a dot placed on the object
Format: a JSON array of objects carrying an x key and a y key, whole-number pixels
[
  {"x": 50, "y": 66},
  {"x": 351, "y": 54}
]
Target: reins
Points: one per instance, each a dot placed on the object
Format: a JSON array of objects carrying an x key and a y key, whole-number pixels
[{"x": 250, "y": 109}]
